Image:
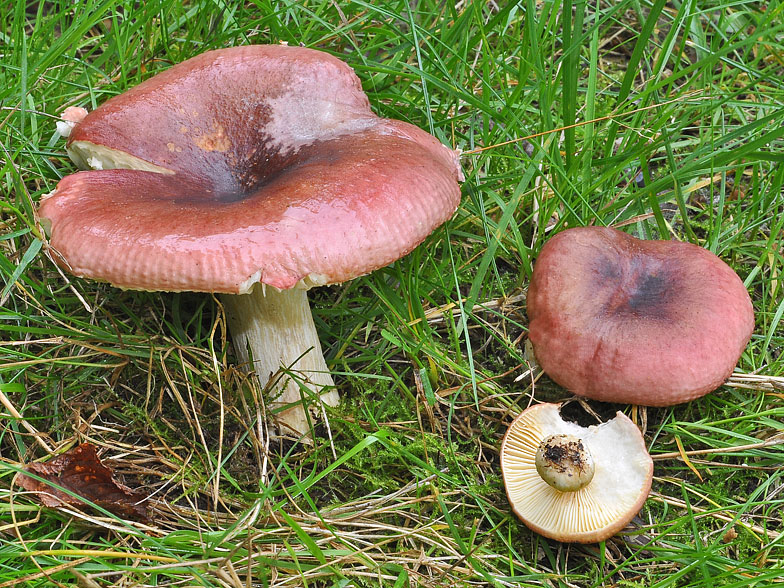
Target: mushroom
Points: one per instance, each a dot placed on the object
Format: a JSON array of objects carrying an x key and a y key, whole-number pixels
[
  {"x": 255, "y": 172},
  {"x": 572, "y": 483},
  {"x": 619, "y": 319},
  {"x": 68, "y": 119}
]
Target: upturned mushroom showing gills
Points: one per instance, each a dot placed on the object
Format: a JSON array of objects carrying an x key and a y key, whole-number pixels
[
  {"x": 572, "y": 483},
  {"x": 620, "y": 319},
  {"x": 255, "y": 172}
]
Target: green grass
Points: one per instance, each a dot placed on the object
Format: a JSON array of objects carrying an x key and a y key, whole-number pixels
[{"x": 407, "y": 488}]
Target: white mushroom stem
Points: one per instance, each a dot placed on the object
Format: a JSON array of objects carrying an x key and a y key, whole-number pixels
[
  {"x": 274, "y": 329},
  {"x": 564, "y": 462}
]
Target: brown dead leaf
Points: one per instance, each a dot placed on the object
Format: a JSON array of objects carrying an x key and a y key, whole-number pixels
[
  {"x": 730, "y": 535},
  {"x": 80, "y": 471}
]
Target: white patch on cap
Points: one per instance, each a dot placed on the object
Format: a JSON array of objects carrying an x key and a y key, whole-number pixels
[
  {"x": 306, "y": 283},
  {"x": 94, "y": 163},
  {"x": 312, "y": 281},
  {"x": 246, "y": 286},
  {"x": 296, "y": 122},
  {"x": 89, "y": 155}
]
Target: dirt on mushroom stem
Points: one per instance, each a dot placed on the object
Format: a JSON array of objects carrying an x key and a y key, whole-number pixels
[
  {"x": 564, "y": 462},
  {"x": 565, "y": 456}
]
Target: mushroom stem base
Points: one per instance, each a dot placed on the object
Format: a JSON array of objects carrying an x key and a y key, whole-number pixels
[{"x": 274, "y": 329}]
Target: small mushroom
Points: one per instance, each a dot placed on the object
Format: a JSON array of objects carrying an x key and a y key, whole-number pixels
[
  {"x": 572, "y": 483},
  {"x": 254, "y": 172},
  {"x": 619, "y": 319},
  {"x": 68, "y": 119}
]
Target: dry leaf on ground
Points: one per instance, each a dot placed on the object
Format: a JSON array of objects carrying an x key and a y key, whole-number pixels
[{"x": 80, "y": 471}]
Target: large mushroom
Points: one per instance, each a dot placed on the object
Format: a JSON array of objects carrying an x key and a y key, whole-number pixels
[
  {"x": 620, "y": 319},
  {"x": 571, "y": 483},
  {"x": 255, "y": 172}
]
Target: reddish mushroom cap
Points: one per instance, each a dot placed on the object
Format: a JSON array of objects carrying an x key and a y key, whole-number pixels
[
  {"x": 618, "y": 319},
  {"x": 265, "y": 164}
]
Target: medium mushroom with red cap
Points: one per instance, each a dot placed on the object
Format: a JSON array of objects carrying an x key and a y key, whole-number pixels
[
  {"x": 255, "y": 172},
  {"x": 571, "y": 483},
  {"x": 620, "y": 319}
]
